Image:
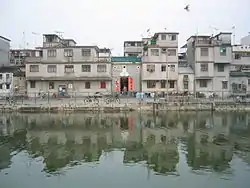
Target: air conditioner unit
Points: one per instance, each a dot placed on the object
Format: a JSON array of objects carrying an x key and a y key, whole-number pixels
[{"x": 164, "y": 50}]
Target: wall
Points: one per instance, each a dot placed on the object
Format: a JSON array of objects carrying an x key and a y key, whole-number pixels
[
  {"x": 133, "y": 70},
  {"x": 158, "y": 87},
  {"x": 210, "y": 56},
  {"x": 181, "y": 84},
  {"x": 209, "y": 87},
  {"x": 77, "y": 55},
  {"x": 4, "y": 91},
  {"x": 61, "y": 71},
  {"x": 218, "y": 58},
  {"x": 21, "y": 83},
  {"x": 158, "y": 74},
  {"x": 78, "y": 88},
  {"x": 209, "y": 73},
  {"x": 4, "y": 52},
  {"x": 162, "y": 56}
]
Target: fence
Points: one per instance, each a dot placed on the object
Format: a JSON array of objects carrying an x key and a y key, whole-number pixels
[{"x": 87, "y": 98}]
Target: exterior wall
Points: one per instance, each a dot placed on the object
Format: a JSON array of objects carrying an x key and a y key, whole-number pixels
[
  {"x": 181, "y": 83},
  {"x": 209, "y": 87},
  {"x": 243, "y": 80},
  {"x": 218, "y": 58},
  {"x": 4, "y": 91},
  {"x": 158, "y": 74},
  {"x": 158, "y": 87},
  {"x": 20, "y": 82},
  {"x": 133, "y": 69},
  {"x": 245, "y": 40},
  {"x": 77, "y": 55},
  {"x": 4, "y": 52},
  {"x": 168, "y": 42},
  {"x": 209, "y": 73},
  {"x": 78, "y": 88},
  {"x": 60, "y": 72},
  {"x": 162, "y": 56},
  {"x": 208, "y": 58}
]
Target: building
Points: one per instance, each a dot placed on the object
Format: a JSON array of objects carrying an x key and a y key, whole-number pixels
[
  {"x": 4, "y": 51},
  {"x": 133, "y": 48},
  {"x": 210, "y": 57},
  {"x": 66, "y": 68},
  {"x": 240, "y": 69},
  {"x": 126, "y": 72},
  {"x": 160, "y": 63},
  {"x": 12, "y": 81}
]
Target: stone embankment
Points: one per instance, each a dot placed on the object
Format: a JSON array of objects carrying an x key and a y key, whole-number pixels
[{"x": 153, "y": 107}]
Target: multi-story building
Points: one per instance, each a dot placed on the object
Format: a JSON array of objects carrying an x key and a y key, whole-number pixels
[
  {"x": 12, "y": 81},
  {"x": 240, "y": 69},
  {"x": 210, "y": 58},
  {"x": 133, "y": 48},
  {"x": 126, "y": 72},
  {"x": 160, "y": 63},
  {"x": 4, "y": 51},
  {"x": 67, "y": 68}
]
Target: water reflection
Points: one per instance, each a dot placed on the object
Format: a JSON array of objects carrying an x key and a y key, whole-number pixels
[{"x": 209, "y": 141}]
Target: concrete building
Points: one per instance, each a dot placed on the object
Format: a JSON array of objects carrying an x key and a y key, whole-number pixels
[
  {"x": 160, "y": 63},
  {"x": 133, "y": 48},
  {"x": 210, "y": 57},
  {"x": 4, "y": 51},
  {"x": 12, "y": 81},
  {"x": 68, "y": 69},
  {"x": 126, "y": 72},
  {"x": 240, "y": 69}
]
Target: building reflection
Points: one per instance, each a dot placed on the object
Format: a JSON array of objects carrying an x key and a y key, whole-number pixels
[{"x": 210, "y": 140}]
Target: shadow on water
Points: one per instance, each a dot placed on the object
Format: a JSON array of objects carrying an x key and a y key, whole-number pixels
[{"x": 208, "y": 141}]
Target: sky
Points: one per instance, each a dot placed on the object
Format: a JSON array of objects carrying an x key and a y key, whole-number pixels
[{"x": 108, "y": 23}]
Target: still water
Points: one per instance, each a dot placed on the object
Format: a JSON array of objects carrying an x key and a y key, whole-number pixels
[{"x": 189, "y": 150}]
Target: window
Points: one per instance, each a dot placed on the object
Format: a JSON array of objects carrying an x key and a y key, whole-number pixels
[
  {"x": 103, "y": 85},
  {"x": 1, "y": 76},
  {"x": 172, "y": 68},
  {"x": 68, "y": 52},
  {"x": 86, "y": 68},
  {"x": 34, "y": 68},
  {"x": 7, "y": 76},
  {"x": 163, "y": 83},
  {"x": 151, "y": 84},
  {"x": 69, "y": 68},
  {"x": 163, "y": 37},
  {"x": 101, "y": 68},
  {"x": 223, "y": 51},
  {"x": 87, "y": 85},
  {"x": 163, "y": 68},
  {"x": 51, "y": 85},
  {"x": 172, "y": 52},
  {"x": 32, "y": 84},
  {"x": 171, "y": 84},
  {"x": 185, "y": 77},
  {"x": 7, "y": 86},
  {"x": 51, "y": 53},
  {"x": 172, "y": 37},
  {"x": 155, "y": 52},
  {"x": 51, "y": 68},
  {"x": 204, "y": 52},
  {"x": 1, "y": 86},
  {"x": 248, "y": 81},
  {"x": 224, "y": 84},
  {"x": 204, "y": 67},
  {"x": 220, "y": 68},
  {"x": 185, "y": 85},
  {"x": 237, "y": 56},
  {"x": 86, "y": 52},
  {"x": 203, "y": 83},
  {"x": 150, "y": 68}
]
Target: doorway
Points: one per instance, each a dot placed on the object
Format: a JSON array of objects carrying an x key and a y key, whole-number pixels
[{"x": 124, "y": 83}]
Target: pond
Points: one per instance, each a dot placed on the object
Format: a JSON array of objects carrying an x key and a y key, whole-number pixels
[{"x": 133, "y": 150}]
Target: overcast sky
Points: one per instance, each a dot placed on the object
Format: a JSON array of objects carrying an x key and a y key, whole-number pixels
[{"x": 107, "y": 23}]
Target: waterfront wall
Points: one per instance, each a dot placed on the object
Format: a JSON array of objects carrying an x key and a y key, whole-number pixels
[{"x": 151, "y": 107}]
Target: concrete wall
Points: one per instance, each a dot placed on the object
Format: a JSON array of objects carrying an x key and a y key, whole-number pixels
[
  {"x": 60, "y": 72},
  {"x": 4, "y": 82},
  {"x": 78, "y": 87},
  {"x": 4, "y": 52},
  {"x": 158, "y": 74},
  {"x": 77, "y": 55},
  {"x": 180, "y": 83},
  {"x": 209, "y": 73},
  {"x": 133, "y": 70}
]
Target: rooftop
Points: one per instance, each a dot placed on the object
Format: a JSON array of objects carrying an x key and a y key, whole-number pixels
[
  {"x": 4, "y": 38},
  {"x": 15, "y": 70}
]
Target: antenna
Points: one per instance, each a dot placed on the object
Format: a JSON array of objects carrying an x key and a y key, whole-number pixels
[
  {"x": 24, "y": 40},
  {"x": 34, "y": 33}
]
